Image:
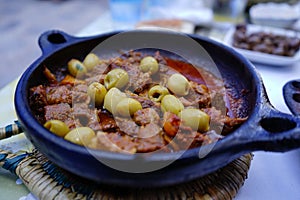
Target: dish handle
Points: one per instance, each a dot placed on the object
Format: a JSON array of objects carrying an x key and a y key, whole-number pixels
[
  {"x": 54, "y": 39},
  {"x": 291, "y": 94},
  {"x": 274, "y": 130}
]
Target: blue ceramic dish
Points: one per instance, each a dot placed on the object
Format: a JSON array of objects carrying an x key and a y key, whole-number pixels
[{"x": 266, "y": 128}]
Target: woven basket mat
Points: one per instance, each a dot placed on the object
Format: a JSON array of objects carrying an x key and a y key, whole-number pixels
[{"x": 47, "y": 181}]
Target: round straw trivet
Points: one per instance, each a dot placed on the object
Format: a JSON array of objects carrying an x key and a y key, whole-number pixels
[{"x": 47, "y": 181}]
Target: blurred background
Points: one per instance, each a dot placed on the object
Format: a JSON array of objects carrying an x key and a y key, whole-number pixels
[{"x": 22, "y": 22}]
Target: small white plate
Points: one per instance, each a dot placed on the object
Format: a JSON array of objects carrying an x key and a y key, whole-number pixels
[
  {"x": 260, "y": 57},
  {"x": 280, "y": 15}
]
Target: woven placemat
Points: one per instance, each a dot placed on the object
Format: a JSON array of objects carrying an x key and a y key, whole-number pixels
[{"x": 47, "y": 181}]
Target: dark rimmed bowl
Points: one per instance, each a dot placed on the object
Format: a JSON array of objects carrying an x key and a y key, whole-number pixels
[{"x": 266, "y": 128}]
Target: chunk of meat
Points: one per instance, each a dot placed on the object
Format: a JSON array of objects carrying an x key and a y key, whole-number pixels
[
  {"x": 67, "y": 94},
  {"x": 150, "y": 144},
  {"x": 107, "y": 122},
  {"x": 148, "y": 138},
  {"x": 62, "y": 112},
  {"x": 200, "y": 94},
  {"x": 138, "y": 80},
  {"x": 187, "y": 139},
  {"x": 113, "y": 142},
  {"x": 146, "y": 116},
  {"x": 230, "y": 124},
  {"x": 96, "y": 78},
  {"x": 79, "y": 94},
  {"x": 128, "y": 126},
  {"x": 98, "y": 73},
  {"x": 221, "y": 123},
  {"x": 145, "y": 102},
  {"x": 58, "y": 94},
  {"x": 215, "y": 115},
  {"x": 86, "y": 116},
  {"x": 37, "y": 99},
  {"x": 149, "y": 130},
  {"x": 123, "y": 141}
]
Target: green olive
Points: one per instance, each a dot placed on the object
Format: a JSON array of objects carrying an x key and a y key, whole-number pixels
[
  {"x": 76, "y": 68},
  {"x": 97, "y": 92},
  {"x": 116, "y": 78},
  {"x": 90, "y": 61},
  {"x": 57, "y": 127},
  {"x": 178, "y": 84},
  {"x": 80, "y": 135},
  {"x": 149, "y": 64},
  {"x": 157, "y": 92},
  {"x": 171, "y": 104},
  {"x": 112, "y": 98},
  {"x": 195, "y": 118},
  {"x": 128, "y": 106}
]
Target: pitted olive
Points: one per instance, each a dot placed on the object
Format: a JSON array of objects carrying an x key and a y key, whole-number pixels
[
  {"x": 171, "y": 104},
  {"x": 149, "y": 64},
  {"x": 157, "y": 92},
  {"x": 128, "y": 106},
  {"x": 57, "y": 127},
  {"x": 80, "y": 135},
  {"x": 195, "y": 118},
  {"x": 112, "y": 98},
  {"x": 91, "y": 60},
  {"x": 178, "y": 84},
  {"x": 97, "y": 92},
  {"x": 76, "y": 68},
  {"x": 116, "y": 78}
]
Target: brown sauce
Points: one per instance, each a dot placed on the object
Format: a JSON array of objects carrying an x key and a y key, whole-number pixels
[{"x": 186, "y": 69}]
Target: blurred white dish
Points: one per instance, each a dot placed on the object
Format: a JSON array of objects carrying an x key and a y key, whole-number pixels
[
  {"x": 260, "y": 57},
  {"x": 280, "y": 15},
  {"x": 167, "y": 24}
]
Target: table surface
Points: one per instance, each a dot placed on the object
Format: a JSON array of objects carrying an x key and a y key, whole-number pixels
[{"x": 271, "y": 176}]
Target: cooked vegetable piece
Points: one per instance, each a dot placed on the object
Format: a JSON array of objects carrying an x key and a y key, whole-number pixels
[
  {"x": 149, "y": 64},
  {"x": 112, "y": 98},
  {"x": 171, "y": 123},
  {"x": 157, "y": 92},
  {"x": 49, "y": 75},
  {"x": 91, "y": 60},
  {"x": 97, "y": 92},
  {"x": 57, "y": 127},
  {"x": 178, "y": 84},
  {"x": 76, "y": 68},
  {"x": 80, "y": 135},
  {"x": 116, "y": 78},
  {"x": 171, "y": 104},
  {"x": 128, "y": 106},
  {"x": 195, "y": 118}
]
